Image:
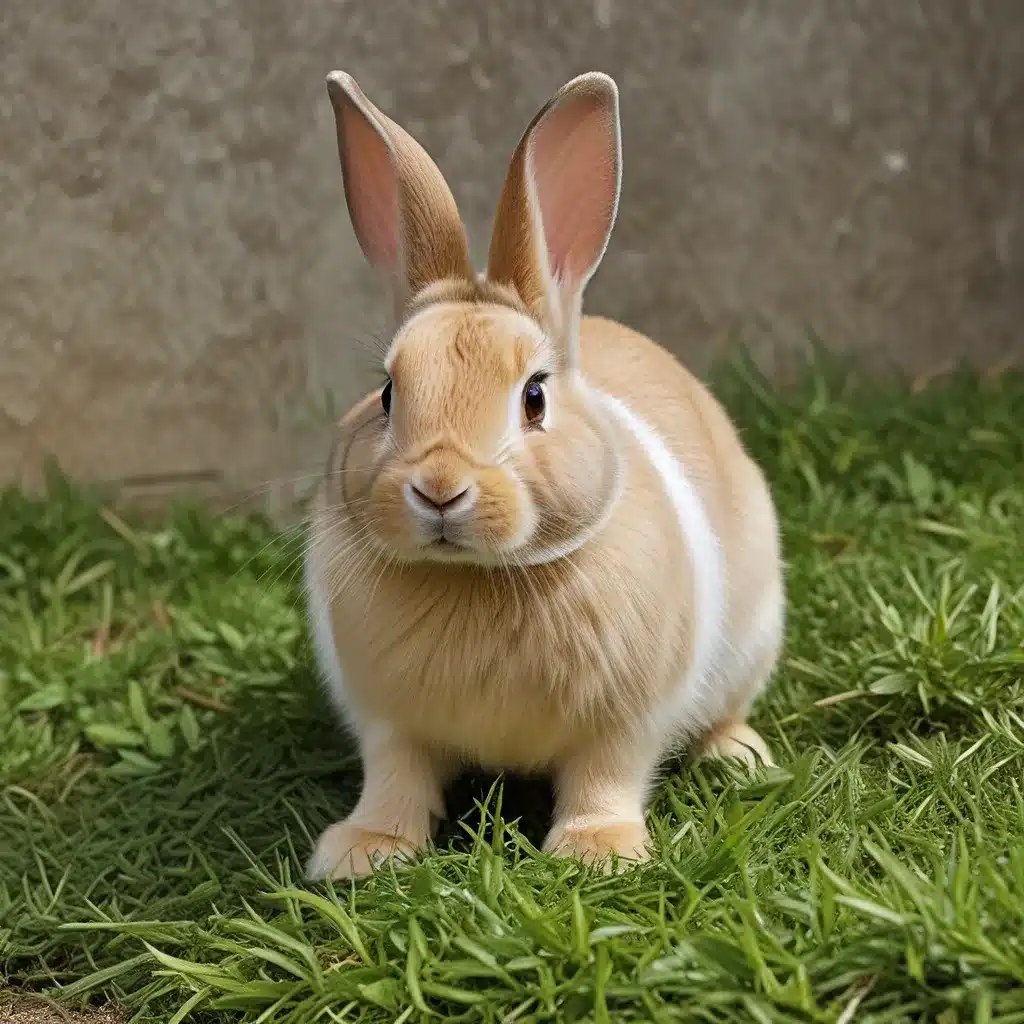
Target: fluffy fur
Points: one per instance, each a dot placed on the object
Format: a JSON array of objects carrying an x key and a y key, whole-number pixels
[{"x": 577, "y": 592}]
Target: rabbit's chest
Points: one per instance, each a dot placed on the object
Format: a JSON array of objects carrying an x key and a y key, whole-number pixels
[{"x": 504, "y": 687}]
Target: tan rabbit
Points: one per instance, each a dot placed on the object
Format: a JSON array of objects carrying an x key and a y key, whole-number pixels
[{"x": 541, "y": 546}]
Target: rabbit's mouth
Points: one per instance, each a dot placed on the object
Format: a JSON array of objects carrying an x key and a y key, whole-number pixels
[
  {"x": 445, "y": 546},
  {"x": 445, "y": 551}
]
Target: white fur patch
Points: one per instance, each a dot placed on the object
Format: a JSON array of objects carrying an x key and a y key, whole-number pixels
[
  {"x": 323, "y": 636},
  {"x": 706, "y": 560},
  {"x": 765, "y": 628},
  {"x": 760, "y": 636}
]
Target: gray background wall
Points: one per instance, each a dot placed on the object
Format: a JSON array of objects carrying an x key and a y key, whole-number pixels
[{"x": 180, "y": 288}]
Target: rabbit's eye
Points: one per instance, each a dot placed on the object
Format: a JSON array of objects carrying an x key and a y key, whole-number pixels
[
  {"x": 385, "y": 399},
  {"x": 534, "y": 402}
]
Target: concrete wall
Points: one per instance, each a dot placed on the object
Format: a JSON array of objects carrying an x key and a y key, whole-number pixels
[{"x": 180, "y": 288}]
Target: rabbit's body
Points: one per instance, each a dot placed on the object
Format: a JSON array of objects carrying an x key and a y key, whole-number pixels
[{"x": 606, "y": 581}]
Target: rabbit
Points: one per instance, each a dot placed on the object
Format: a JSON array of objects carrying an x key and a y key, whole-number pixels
[{"x": 540, "y": 546}]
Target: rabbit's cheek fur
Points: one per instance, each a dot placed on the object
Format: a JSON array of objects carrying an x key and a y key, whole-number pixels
[
  {"x": 503, "y": 513},
  {"x": 574, "y": 476},
  {"x": 358, "y": 457},
  {"x": 389, "y": 515}
]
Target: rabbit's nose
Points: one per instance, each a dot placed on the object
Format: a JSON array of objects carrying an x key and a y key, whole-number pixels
[{"x": 436, "y": 496}]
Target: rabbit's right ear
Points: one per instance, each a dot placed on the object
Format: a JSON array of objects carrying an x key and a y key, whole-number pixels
[
  {"x": 402, "y": 210},
  {"x": 559, "y": 204}
]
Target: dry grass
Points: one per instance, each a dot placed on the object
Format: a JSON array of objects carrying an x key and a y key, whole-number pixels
[{"x": 40, "y": 1010}]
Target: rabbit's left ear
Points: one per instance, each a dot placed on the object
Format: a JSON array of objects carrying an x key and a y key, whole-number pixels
[
  {"x": 402, "y": 210},
  {"x": 559, "y": 202}
]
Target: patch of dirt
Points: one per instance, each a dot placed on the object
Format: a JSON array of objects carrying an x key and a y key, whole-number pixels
[{"x": 40, "y": 1010}]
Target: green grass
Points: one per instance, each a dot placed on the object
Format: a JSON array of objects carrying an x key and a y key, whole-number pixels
[{"x": 167, "y": 758}]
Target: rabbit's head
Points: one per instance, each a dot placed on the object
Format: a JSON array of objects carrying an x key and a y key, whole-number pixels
[{"x": 485, "y": 445}]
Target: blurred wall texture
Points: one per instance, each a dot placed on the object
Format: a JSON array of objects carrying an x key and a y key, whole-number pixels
[{"x": 180, "y": 288}]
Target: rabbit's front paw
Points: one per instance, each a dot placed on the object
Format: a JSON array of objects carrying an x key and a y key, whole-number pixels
[
  {"x": 609, "y": 844},
  {"x": 737, "y": 742},
  {"x": 346, "y": 850}
]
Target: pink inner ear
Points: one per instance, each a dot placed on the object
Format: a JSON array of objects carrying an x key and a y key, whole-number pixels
[
  {"x": 371, "y": 189},
  {"x": 573, "y": 157}
]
